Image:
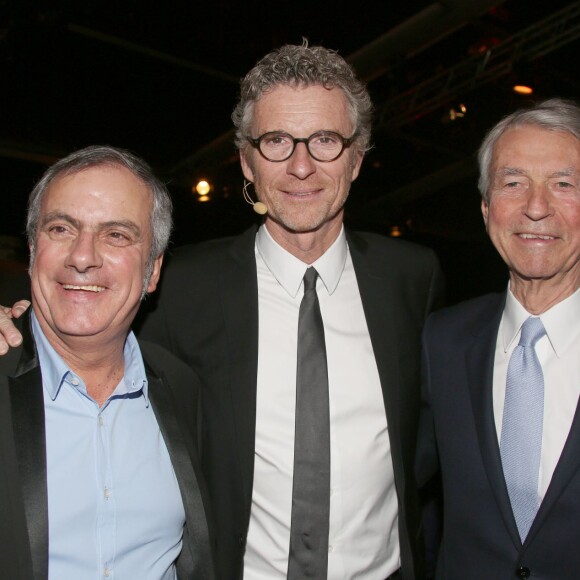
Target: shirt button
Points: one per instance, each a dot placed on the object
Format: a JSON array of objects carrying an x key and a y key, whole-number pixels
[
  {"x": 75, "y": 381},
  {"x": 106, "y": 572},
  {"x": 101, "y": 421},
  {"x": 330, "y": 549},
  {"x": 523, "y": 572},
  {"x": 107, "y": 494}
]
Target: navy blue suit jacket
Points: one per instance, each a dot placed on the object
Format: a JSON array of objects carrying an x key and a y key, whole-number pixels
[{"x": 458, "y": 435}]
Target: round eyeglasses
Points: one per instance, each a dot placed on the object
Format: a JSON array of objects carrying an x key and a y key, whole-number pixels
[{"x": 323, "y": 145}]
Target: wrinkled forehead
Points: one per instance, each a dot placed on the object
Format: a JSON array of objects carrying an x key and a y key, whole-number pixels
[
  {"x": 525, "y": 140},
  {"x": 302, "y": 107},
  {"x": 103, "y": 192}
]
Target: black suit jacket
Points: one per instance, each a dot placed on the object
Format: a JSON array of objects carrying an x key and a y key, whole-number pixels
[
  {"x": 480, "y": 537},
  {"x": 173, "y": 390},
  {"x": 207, "y": 314}
]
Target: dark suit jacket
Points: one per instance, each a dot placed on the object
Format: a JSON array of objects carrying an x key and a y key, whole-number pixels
[
  {"x": 480, "y": 537},
  {"x": 173, "y": 390},
  {"x": 207, "y": 315}
]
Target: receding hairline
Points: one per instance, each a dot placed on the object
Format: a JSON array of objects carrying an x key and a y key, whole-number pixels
[
  {"x": 70, "y": 173},
  {"x": 530, "y": 125}
]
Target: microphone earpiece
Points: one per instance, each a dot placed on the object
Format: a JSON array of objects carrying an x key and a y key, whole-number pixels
[{"x": 259, "y": 207}]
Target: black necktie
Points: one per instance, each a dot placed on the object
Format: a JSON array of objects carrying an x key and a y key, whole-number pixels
[{"x": 308, "y": 556}]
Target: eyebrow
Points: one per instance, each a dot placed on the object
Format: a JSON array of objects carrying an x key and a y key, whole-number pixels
[
  {"x": 125, "y": 224},
  {"x": 566, "y": 172},
  {"x": 510, "y": 171}
]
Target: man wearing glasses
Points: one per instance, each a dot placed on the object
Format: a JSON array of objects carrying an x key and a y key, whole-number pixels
[
  {"x": 307, "y": 339},
  {"x": 232, "y": 309}
]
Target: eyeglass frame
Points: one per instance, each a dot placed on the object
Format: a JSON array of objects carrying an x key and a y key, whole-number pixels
[{"x": 346, "y": 143}]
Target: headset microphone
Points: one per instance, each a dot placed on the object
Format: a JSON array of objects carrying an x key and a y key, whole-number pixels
[{"x": 258, "y": 206}]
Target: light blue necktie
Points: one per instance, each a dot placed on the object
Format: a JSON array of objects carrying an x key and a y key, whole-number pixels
[{"x": 521, "y": 433}]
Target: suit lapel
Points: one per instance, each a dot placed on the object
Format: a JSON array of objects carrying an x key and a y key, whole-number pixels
[
  {"x": 182, "y": 460},
  {"x": 377, "y": 299},
  {"x": 27, "y": 404},
  {"x": 239, "y": 292},
  {"x": 479, "y": 362},
  {"x": 568, "y": 465}
]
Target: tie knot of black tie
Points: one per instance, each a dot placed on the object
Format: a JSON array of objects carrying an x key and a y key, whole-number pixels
[{"x": 310, "y": 279}]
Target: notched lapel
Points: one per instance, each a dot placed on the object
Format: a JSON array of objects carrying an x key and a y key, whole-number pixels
[
  {"x": 378, "y": 297},
  {"x": 27, "y": 402},
  {"x": 239, "y": 292},
  {"x": 568, "y": 466},
  {"x": 479, "y": 361},
  {"x": 182, "y": 462}
]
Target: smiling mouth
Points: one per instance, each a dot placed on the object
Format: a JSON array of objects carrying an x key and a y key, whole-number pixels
[
  {"x": 302, "y": 193},
  {"x": 535, "y": 237},
  {"x": 84, "y": 288}
]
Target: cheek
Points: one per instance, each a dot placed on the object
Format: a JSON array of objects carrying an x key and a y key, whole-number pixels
[
  {"x": 499, "y": 214},
  {"x": 44, "y": 262}
]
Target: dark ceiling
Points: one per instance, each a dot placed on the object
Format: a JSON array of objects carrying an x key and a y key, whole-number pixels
[{"x": 160, "y": 78}]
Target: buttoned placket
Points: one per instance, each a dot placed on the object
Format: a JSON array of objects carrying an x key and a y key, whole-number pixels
[{"x": 106, "y": 523}]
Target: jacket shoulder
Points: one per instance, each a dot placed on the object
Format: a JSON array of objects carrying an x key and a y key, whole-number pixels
[
  {"x": 378, "y": 243},
  {"x": 467, "y": 315},
  {"x": 211, "y": 252},
  {"x": 164, "y": 363}
]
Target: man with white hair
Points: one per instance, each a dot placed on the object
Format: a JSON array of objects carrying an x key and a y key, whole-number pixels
[{"x": 502, "y": 372}]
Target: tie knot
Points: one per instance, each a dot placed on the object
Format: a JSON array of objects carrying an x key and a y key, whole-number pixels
[
  {"x": 310, "y": 279},
  {"x": 532, "y": 331}
]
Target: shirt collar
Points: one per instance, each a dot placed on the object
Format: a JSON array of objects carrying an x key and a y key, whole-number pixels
[
  {"x": 289, "y": 270},
  {"x": 55, "y": 371},
  {"x": 556, "y": 321}
]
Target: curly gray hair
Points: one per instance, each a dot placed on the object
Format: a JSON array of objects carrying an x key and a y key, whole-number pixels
[{"x": 302, "y": 65}]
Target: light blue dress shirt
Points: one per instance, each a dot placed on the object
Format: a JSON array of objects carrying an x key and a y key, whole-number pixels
[{"x": 114, "y": 506}]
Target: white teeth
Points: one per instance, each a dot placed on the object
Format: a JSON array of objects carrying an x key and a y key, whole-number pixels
[
  {"x": 535, "y": 236},
  {"x": 85, "y": 288}
]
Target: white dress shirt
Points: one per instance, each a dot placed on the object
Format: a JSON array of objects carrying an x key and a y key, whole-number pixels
[
  {"x": 363, "y": 536},
  {"x": 559, "y": 354}
]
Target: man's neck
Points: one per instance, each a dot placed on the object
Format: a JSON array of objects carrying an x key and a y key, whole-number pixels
[
  {"x": 100, "y": 364},
  {"x": 538, "y": 296},
  {"x": 306, "y": 246}
]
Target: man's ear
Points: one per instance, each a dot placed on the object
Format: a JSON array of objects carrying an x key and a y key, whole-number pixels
[
  {"x": 484, "y": 212},
  {"x": 154, "y": 279},
  {"x": 247, "y": 168},
  {"x": 356, "y": 164}
]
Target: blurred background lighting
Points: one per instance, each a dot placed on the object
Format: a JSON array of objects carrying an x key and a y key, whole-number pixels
[{"x": 203, "y": 187}]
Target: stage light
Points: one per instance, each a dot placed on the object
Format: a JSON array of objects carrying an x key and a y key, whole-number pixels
[
  {"x": 523, "y": 89},
  {"x": 457, "y": 112},
  {"x": 202, "y": 187},
  {"x": 524, "y": 77}
]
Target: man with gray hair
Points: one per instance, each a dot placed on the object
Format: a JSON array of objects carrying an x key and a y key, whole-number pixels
[
  {"x": 307, "y": 339},
  {"x": 97, "y": 431},
  {"x": 502, "y": 373},
  {"x": 311, "y": 484}
]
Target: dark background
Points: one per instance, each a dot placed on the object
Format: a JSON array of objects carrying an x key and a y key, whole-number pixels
[{"x": 161, "y": 79}]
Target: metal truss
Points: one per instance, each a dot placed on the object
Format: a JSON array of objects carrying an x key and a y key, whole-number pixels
[{"x": 545, "y": 36}]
